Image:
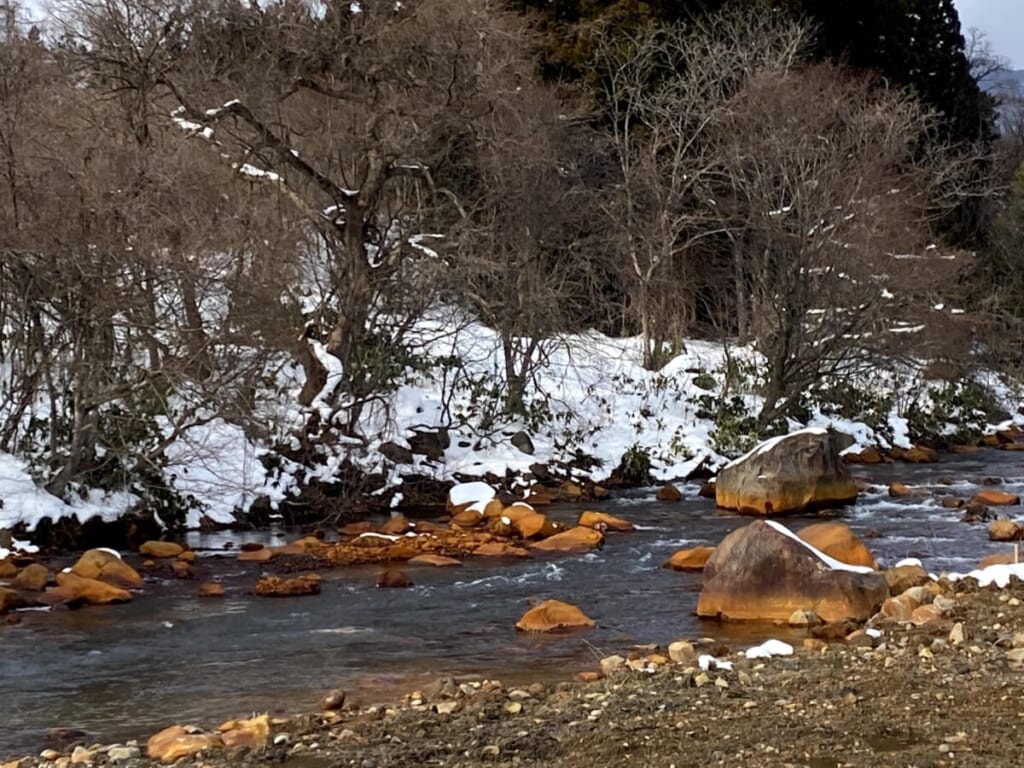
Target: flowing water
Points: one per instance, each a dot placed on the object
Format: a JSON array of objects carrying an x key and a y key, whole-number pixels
[{"x": 122, "y": 672}]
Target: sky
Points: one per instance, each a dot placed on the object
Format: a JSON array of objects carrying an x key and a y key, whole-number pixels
[{"x": 1002, "y": 21}]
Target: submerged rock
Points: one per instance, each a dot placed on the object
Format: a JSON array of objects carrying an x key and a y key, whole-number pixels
[
  {"x": 553, "y": 616},
  {"x": 795, "y": 473},
  {"x": 760, "y": 572}
]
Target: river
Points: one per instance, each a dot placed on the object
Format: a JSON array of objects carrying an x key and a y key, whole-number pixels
[{"x": 168, "y": 657}]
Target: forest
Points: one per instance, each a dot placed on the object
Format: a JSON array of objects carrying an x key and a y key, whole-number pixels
[{"x": 261, "y": 218}]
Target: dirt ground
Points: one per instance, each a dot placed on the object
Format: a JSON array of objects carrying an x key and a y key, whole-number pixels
[{"x": 914, "y": 699}]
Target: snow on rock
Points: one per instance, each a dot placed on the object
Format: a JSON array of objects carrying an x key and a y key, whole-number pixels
[
  {"x": 470, "y": 493},
  {"x": 831, "y": 562},
  {"x": 767, "y": 445},
  {"x": 769, "y": 648},
  {"x": 907, "y": 561},
  {"x": 998, "y": 575},
  {"x": 706, "y": 661}
]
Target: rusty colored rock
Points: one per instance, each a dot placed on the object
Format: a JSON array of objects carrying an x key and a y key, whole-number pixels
[
  {"x": 104, "y": 565},
  {"x": 275, "y": 586},
  {"x": 669, "y": 493},
  {"x": 553, "y": 616},
  {"x": 689, "y": 559},
  {"x": 589, "y": 519},
  {"x": 160, "y": 549},
  {"x": 995, "y": 498},
  {"x": 211, "y": 589},
  {"x": 176, "y": 742},
  {"x": 32, "y": 578},
  {"x": 439, "y": 561},
  {"x": 573, "y": 541},
  {"x": 837, "y": 541},
  {"x": 76, "y": 590}
]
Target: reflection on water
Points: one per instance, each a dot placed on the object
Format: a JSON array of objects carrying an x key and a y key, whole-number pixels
[{"x": 168, "y": 657}]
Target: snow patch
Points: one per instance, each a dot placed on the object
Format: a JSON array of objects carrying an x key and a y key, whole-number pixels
[{"x": 769, "y": 648}]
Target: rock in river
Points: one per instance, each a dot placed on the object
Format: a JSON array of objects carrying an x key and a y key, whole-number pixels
[
  {"x": 275, "y": 586},
  {"x": 553, "y": 616},
  {"x": 795, "y": 473},
  {"x": 106, "y": 565},
  {"x": 764, "y": 572}
]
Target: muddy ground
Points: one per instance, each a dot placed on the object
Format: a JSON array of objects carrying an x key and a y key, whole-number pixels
[{"x": 914, "y": 699}]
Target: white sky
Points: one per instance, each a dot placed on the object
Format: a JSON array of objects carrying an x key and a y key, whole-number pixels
[{"x": 1002, "y": 21}]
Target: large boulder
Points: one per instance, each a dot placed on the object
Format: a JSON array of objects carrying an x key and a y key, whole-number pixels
[
  {"x": 795, "y": 473},
  {"x": 837, "y": 541},
  {"x": 763, "y": 572},
  {"x": 106, "y": 565}
]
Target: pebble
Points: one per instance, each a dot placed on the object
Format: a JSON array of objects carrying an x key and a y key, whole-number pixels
[
  {"x": 82, "y": 755},
  {"x": 611, "y": 664},
  {"x": 281, "y": 738},
  {"x": 1013, "y": 602},
  {"x": 956, "y": 634},
  {"x": 447, "y": 707},
  {"x": 117, "y": 754},
  {"x": 514, "y": 707},
  {"x": 49, "y": 754}
]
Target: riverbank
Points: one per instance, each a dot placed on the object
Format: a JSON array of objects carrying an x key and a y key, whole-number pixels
[{"x": 946, "y": 693}]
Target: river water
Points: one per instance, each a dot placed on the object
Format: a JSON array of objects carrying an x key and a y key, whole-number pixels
[{"x": 125, "y": 671}]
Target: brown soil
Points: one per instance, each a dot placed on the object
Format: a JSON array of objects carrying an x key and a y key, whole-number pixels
[{"x": 916, "y": 699}]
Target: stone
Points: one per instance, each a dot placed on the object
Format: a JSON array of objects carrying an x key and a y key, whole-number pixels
[
  {"x": 393, "y": 578},
  {"x": 760, "y": 573},
  {"x": 181, "y": 570},
  {"x": 449, "y": 707},
  {"x": 251, "y": 734},
  {"x": 211, "y": 589},
  {"x": 920, "y": 454},
  {"x": 682, "y": 652},
  {"x": 957, "y": 635},
  {"x": 10, "y": 600},
  {"x": 332, "y": 701},
  {"x": 521, "y": 442},
  {"x": 553, "y": 616},
  {"x": 261, "y": 554},
  {"x": 925, "y": 614},
  {"x": 396, "y": 525},
  {"x": 951, "y": 502},
  {"x": 612, "y": 664},
  {"x": 395, "y": 453},
  {"x": 8, "y": 570},
  {"x": 903, "y": 577},
  {"x": 1015, "y": 659},
  {"x": 588, "y": 676},
  {"x": 692, "y": 559},
  {"x": 669, "y": 493},
  {"x": 802, "y": 618},
  {"x": 160, "y": 549},
  {"x": 1005, "y": 530},
  {"x": 438, "y": 561},
  {"x": 32, "y": 578},
  {"x": 81, "y": 755},
  {"x": 176, "y": 742},
  {"x": 814, "y": 644},
  {"x": 837, "y": 541},
  {"x": 467, "y": 518},
  {"x": 1000, "y": 558},
  {"x": 901, "y": 491},
  {"x": 104, "y": 565},
  {"x": 590, "y": 519},
  {"x": 73, "y": 589},
  {"x": 573, "y": 541},
  {"x": 534, "y": 525},
  {"x": 900, "y": 608},
  {"x": 796, "y": 473},
  {"x": 275, "y": 586},
  {"x": 570, "y": 491},
  {"x": 120, "y": 754},
  {"x": 995, "y": 498},
  {"x": 499, "y": 549}
]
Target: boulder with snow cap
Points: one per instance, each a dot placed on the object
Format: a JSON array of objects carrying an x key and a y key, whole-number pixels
[
  {"x": 798, "y": 472},
  {"x": 764, "y": 572},
  {"x": 464, "y": 495},
  {"x": 106, "y": 565}
]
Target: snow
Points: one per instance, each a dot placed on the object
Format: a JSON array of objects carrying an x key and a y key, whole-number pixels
[
  {"x": 706, "y": 661},
  {"x": 998, "y": 575},
  {"x": 470, "y": 493},
  {"x": 769, "y": 648},
  {"x": 831, "y": 562},
  {"x": 907, "y": 561}
]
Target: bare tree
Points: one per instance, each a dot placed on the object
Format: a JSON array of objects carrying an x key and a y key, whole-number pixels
[{"x": 832, "y": 202}]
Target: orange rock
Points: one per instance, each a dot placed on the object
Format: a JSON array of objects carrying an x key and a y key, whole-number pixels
[
  {"x": 707, "y": 490},
  {"x": 10, "y": 600},
  {"x": 261, "y": 555},
  {"x": 436, "y": 560},
  {"x": 1002, "y": 558},
  {"x": 160, "y": 549},
  {"x": 570, "y": 491},
  {"x": 354, "y": 529},
  {"x": 500, "y": 549},
  {"x": 75, "y": 590},
  {"x": 669, "y": 493},
  {"x": 689, "y": 559},
  {"x": 398, "y": 524},
  {"x": 903, "y": 577},
  {"x": 590, "y": 519},
  {"x": 795, "y": 473},
  {"x": 188, "y": 556},
  {"x": 991, "y": 440},
  {"x": 211, "y": 589},
  {"x": 8, "y": 570},
  {"x": 517, "y": 511},
  {"x": 467, "y": 518},
  {"x": 174, "y": 743},
  {"x": 952, "y": 502},
  {"x": 275, "y": 586},
  {"x": 760, "y": 573},
  {"x": 587, "y": 677},
  {"x": 900, "y": 608},
  {"x": 552, "y": 616},
  {"x": 837, "y": 541},
  {"x": 814, "y": 644},
  {"x": 534, "y": 526},
  {"x": 1005, "y": 530},
  {"x": 870, "y": 455},
  {"x": 251, "y": 734},
  {"x": 493, "y": 508},
  {"x": 995, "y": 498},
  {"x": 180, "y": 570},
  {"x": 573, "y": 541},
  {"x": 393, "y": 578},
  {"x": 925, "y": 614},
  {"x": 32, "y": 578},
  {"x": 920, "y": 454},
  {"x": 105, "y": 566},
  {"x": 1013, "y": 447},
  {"x": 900, "y": 491}
]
